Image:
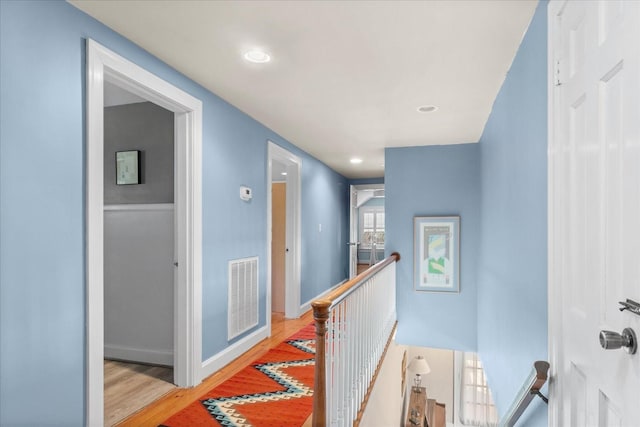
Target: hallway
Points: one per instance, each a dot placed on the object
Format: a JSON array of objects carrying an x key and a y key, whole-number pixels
[{"x": 178, "y": 399}]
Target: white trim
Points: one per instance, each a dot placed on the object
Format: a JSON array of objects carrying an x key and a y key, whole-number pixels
[
  {"x": 457, "y": 387},
  {"x": 369, "y": 209},
  {"x": 104, "y": 64},
  {"x": 140, "y": 207},
  {"x": 307, "y": 305},
  {"x": 554, "y": 294},
  {"x": 353, "y": 231},
  {"x": 293, "y": 201},
  {"x": 94, "y": 239},
  {"x": 354, "y": 227},
  {"x": 229, "y": 354},
  {"x": 155, "y": 357}
]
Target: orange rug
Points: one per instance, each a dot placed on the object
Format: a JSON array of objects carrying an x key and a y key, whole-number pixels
[{"x": 274, "y": 391}]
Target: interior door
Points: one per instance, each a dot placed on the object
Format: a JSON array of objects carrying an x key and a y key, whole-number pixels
[
  {"x": 353, "y": 232},
  {"x": 594, "y": 209},
  {"x": 278, "y": 245}
]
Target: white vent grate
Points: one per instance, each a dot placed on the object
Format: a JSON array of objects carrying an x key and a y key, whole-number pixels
[{"x": 243, "y": 296}]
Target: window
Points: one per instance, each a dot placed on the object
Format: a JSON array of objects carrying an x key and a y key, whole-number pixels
[
  {"x": 372, "y": 227},
  {"x": 476, "y": 406}
]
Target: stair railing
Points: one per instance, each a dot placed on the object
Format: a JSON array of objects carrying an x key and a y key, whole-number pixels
[
  {"x": 530, "y": 389},
  {"x": 354, "y": 326}
]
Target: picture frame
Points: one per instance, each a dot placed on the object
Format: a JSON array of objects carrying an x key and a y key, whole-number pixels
[
  {"x": 436, "y": 253},
  {"x": 128, "y": 167}
]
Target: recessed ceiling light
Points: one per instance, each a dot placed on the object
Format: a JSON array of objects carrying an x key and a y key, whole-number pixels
[
  {"x": 427, "y": 108},
  {"x": 356, "y": 161},
  {"x": 283, "y": 173},
  {"x": 257, "y": 56}
]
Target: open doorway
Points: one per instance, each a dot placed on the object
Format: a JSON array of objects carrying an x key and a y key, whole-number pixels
[
  {"x": 367, "y": 227},
  {"x": 283, "y": 213},
  {"x": 278, "y": 235},
  {"x": 139, "y": 237},
  {"x": 105, "y": 65}
]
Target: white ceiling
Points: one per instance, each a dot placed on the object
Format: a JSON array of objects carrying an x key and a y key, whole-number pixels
[
  {"x": 115, "y": 95},
  {"x": 346, "y": 77}
]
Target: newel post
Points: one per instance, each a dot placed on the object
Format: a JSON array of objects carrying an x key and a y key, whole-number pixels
[{"x": 320, "y": 315}]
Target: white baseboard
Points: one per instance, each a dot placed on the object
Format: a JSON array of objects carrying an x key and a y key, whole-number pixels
[
  {"x": 154, "y": 357},
  {"x": 307, "y": 305},
  {"x": 229, "y": 354},
  {"x": 226, "y": 356}
]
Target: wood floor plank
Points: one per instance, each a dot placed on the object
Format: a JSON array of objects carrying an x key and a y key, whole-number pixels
[
  {"x": 129, "y": 387},
  {"x": 180, "y": 398}
]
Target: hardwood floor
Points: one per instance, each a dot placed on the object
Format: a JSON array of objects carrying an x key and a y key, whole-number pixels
[
  {"x": 129, "y": 387},
  {"x": 176, "y": 400},
  {"x": 361, "y": 267}
]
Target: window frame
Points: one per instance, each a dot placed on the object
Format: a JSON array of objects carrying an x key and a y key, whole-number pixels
[{"x": 375, "y": 210}]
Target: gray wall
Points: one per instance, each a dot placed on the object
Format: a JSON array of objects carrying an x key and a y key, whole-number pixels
[
  {"x": 138, "y": 240},
  {"x": 138, "y": 283},
  {"x": 148, "y": 128}
]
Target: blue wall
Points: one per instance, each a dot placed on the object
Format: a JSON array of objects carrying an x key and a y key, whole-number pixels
[
  {"x": 427, "y": 181},
  {"x": 325, "y": 254},
  {"x": 499, "y": 188},
  {"x": 42, "y": 262},
  {"x": 512, "y": 265}
]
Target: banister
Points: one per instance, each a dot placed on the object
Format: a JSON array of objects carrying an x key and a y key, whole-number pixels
[
  {"x": 320, "y": 315},
  {"x": 348, "y": 287},
  {"x": 326, "y": 312},
  {"x": 529, "y": 390}
]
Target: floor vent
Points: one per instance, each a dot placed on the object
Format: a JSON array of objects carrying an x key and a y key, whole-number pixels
[{"x": 243, "y": 296}]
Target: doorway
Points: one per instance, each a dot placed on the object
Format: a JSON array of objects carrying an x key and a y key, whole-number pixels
[
  {"x": 283, "y": 240},
  {"x": 139, "y": 236},
  {"x": 278, "y": 235},
  {"x": 366, "y": 227},
  {"x": 103, "y": 64}
]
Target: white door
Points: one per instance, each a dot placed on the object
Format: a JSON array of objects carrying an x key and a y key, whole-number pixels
[
  {"x": 594, "y": 209},
  {"x": 353, "y": 233}
]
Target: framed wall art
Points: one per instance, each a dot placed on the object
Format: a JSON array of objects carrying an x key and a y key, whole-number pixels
[
  {"x": 128, "y": 167},
  {"x": 436, "y": 259}
]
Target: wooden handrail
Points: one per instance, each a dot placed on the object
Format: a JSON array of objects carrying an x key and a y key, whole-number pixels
[
  {"x": 321, "y": 314},
  {"x": 346, "y": 288},
  {"x": 529, "y": 390}
]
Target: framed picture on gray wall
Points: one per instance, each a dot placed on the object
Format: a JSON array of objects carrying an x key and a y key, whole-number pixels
[
  {"x": 436, "y": 253},
  {"x": 128, "y": 167}
]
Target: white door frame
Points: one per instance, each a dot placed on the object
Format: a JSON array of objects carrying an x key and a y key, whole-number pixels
[
  {"x": 554, "y": 293},
  {"x": 293, "y": 240},
  {"x": 353, "y": 222},
  {"x": 353, "y": 232},
  {"x": 104, "y": 64}
]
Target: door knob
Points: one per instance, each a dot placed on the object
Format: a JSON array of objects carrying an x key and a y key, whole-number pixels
[{"x": 610, "y": 340}]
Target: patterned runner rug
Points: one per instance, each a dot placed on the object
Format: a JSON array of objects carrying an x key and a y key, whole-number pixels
[{"x": 274, "y": 391}]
